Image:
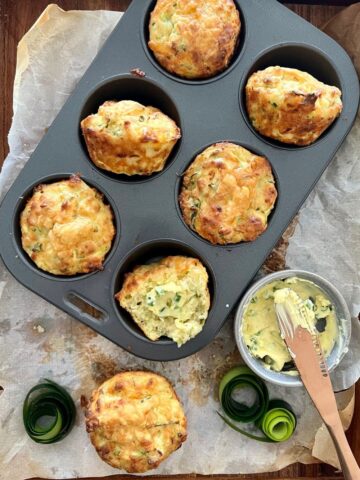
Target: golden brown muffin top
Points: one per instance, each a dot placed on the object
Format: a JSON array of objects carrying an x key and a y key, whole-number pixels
[
  {"x": 192, "y": 38},
  {"x": 291, "y": 106},
  {"x": 135, "y": 421},
  {"x": 168, "y": 298},
  {"x": 66, "y": 228},
  {"x": 227, "y": 194},
  {"x": 128, "y": 138}
]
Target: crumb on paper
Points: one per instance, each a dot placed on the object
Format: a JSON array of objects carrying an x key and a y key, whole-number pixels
[
  {"x": 39, "y": 328},
  {"x": 102, "y": 366}
]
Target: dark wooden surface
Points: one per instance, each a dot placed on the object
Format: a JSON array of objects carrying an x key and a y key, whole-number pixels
[{"x": 16, "y": 17}]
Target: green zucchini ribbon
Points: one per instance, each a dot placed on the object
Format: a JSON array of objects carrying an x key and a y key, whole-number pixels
[
  {"x": 48, "y": 412},
  {"x": 274, "y": 418}
]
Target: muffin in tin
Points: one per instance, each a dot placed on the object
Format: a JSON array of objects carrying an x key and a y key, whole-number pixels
[
  {"x": 128, "y": 138},
  {"x": 291, "y": 106},
  {"x": 66, "y": 228},
  {"x": 194, "y": 39},
  {"x": 167, "y": 298},
  {"x": 227, "y": 194},
  {"x": 135, "y": 421}
]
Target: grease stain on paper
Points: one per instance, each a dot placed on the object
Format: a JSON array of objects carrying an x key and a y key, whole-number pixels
[
  {"x": 5, "y": 327},
  {"x": 209, "y": 366}
]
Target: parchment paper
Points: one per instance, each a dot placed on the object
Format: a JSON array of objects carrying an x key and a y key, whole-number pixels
[
  {"x": 345, "y": 29},
  {"x": 37, "y": 340}
]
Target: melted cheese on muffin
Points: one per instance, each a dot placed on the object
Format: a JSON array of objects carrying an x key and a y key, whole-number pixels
[
  {"x": 227, "y": 194},
  {"x": 194, "y": 39},
  {"x": 66, "y": 228},
  {"x": 128, "y": 138},
  {"x": 291, "y": 106},
  {"x": 135, "y": 421},
  {"x": 168, "y": 298}
]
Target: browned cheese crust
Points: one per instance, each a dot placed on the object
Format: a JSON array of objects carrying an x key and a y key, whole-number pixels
[
  {"x": 135, "y": 421},
  {"x": 192, "y": 38},
  {"x": 66, "y": 228},
  {"x": 227, "y": 194},
  {"x": 128, "y": 138},
  {"x": 291, "y": 106}
]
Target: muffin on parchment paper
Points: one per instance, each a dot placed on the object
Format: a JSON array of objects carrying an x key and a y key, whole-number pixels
[
  {"x": 227, "y": 194},
  {"x": 168, "y": 298},
  {"x": 291, "y": 106},
  {"x": 192, "y": 38},
  {"x": 128, "y": 138},
  {"x": 66, "y": 228},
  {"x": 135, "y": 421}
]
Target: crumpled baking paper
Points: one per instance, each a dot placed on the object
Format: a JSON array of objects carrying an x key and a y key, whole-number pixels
[{"x": 38, "y": 340}]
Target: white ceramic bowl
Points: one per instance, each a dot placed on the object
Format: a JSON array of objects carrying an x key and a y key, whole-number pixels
[{"x": 342, "y": 313}]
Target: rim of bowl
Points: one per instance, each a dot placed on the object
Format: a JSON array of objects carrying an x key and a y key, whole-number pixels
[{"x": 343, "y": 317}]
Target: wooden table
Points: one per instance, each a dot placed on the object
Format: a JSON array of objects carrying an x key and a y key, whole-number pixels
[{"x": 16, "y": 17}]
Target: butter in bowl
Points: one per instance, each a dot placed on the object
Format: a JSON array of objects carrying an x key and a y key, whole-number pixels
[{"x": 257, "y": 332}]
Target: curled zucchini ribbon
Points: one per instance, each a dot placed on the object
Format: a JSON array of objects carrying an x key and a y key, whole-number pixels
[
  {"x": 275, "y": 417},
  {"x": 48, "y": 412}
]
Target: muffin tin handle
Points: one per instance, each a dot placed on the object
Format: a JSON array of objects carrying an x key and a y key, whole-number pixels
[{"x": 85, "y": 309}]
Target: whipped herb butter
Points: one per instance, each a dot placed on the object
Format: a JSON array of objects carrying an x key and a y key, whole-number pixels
[{"x": 260, "y": 329}]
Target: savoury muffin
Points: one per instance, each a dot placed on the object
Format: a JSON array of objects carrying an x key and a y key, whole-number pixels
[
  {"x": 194, "y": 39},
  {"x": 227, "y": 194},
  {"x": 135, "y": 421},
  {"x": 291, "y": 106},
  {"x": 168, "y": 298},
  {"x": 129, "y": 138},
  {"x": 66, "y": 228}
]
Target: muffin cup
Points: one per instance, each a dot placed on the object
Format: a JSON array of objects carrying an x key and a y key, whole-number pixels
[
  {"x": 146, "y": 254},
  {"x": 22, "y": 201},
  {"x": 195, "y": 81},
  {"x": 138, "y": 89},
  {"x": 300, "y": 56}
]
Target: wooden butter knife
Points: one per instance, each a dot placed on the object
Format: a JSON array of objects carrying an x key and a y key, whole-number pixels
[{"x": 305, "y": 349}]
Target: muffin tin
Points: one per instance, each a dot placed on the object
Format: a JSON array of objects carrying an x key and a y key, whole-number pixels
[{"x": 146, "y": 211}]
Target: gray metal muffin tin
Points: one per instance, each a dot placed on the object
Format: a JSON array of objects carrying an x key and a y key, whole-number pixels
[{"x": 148, "y": 219}]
